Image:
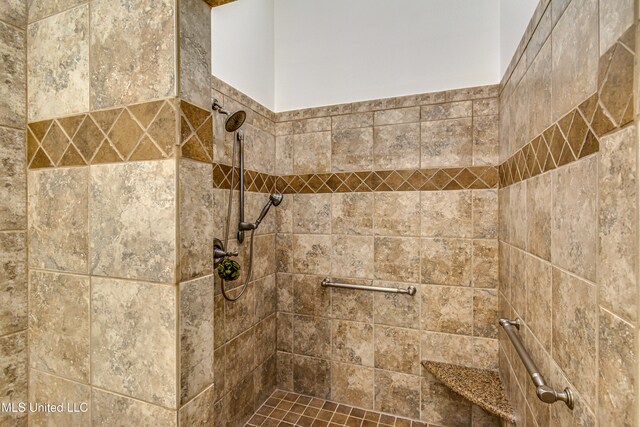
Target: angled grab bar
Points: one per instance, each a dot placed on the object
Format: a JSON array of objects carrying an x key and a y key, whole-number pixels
[
  {"x": 543, "y": 391},
  {"x": 411, "y": 290}
]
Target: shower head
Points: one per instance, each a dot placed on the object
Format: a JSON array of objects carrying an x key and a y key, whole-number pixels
[
  {"x": 234, "y": 120},
  {"x": 274, "y": 200}
]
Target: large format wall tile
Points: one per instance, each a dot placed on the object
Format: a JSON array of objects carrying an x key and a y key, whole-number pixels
[
  {"x": 352, "y": 384},
  {"x": 120, "y": 75},
  {"x": 195, "y": 52},
  {"x": 133, "y": 215},
  {"x": 58, "y": 219},
  {"x": 13, "y": 184},
  {"x": 134, "y": 325},
  {"x": 13, "y": 376},
  {"x": 45, "y": 388},
  {"x": 13, "y": 282},
  {"x": 14, "y": 12},
  {"x": 12, "y": 73},
  {"x": 109, "y": 409},
  {"x": 59, "y": 324},
  {"x": 615, "y": 17},
  {"x": 58, "y": 64},
  {"x": 39, "y": 9},
  {"x": 575, "y": 56}
]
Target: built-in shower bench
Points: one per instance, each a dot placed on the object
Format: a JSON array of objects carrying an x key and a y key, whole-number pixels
[{"x": 481, "y": 387}]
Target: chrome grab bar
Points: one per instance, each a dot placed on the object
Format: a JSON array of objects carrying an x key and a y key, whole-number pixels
[
  {"x": 411, "y": 290},
  {"x": 543, "y": 391}
]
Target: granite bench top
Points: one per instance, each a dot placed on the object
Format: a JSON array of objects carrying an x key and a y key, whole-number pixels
[{"x": 481, "y": 387}]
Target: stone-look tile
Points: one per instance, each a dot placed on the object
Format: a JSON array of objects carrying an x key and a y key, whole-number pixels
[
  {"x": 485, "y": 313},
  {"x": 312, "y": 336},
  {"x": 518, "y": 280},
  {"x": 446, "y": 143},
  {"x": 396, "y": 309},
  {"x": 352, "y": 305},
  {"x": 59, "y": 324},
  {"x": 266, "y": 297},
  {"x": 573, "y": 229},
  {"x": 58, "y": 65},
  {"x": 485, "y": 140},
  {"x": 352, "y": 385},
  {"x": 13, "y": 185},
  {"x": 539, "y": 216},
  {"x": 219, "y": 374},
  {"x": 133, "y": 220},
  {"x": 284, "y": 370},
  {"x": 13, "y": 282},
  {"x": 560, "y": 415},
  {"x": 13, "y": 91},
  {"x": 351, "y": 121},
  {"x": 485, "y": 214},
  {"x": 575, "y": 56},
  {"x": 446, "y": 213},
  {"x": 486, "y": 107},
  {"x": 504, "y": 214},
  {"x": 265, "y": 340},
  {"x": 441, "y": 406},
  {"x": 265, "y": 379},
  {"x": 449, "y": 110},
  {"x": 312, "y": 376},
  {"x": 119, "y": 32},
  {"x": 239, "y": 315},
  {"x": 284, "y": 155},
  {"x": 196, "y": 337},
  {"x": 617, "y": 377},
  {"x": 284, "y": 324},
  {"x": 397, "y": 258},
  {"x": 351, "y": 149},
  {"x": 447, "y": 309},
  {"x": 615, "y": 17},
  {"x": 396, "y": 146},
  {"x": 352, "y": 213},
  {"x": 539, "y": 90},
  {"x": 309, "y": 298},
  {"x": 284, "y": 253},
  {"x": 397, "y": 213},
  {"x": 312, "y": 153},
  {"x": 38, "y": 9},
  {"x": 574, "y": 331},
  {"x": 397, "y": 393},
  {"x": 618, "y": 232},
  {"x": 504, "y": 269},
  {"x": 195, "y": 52},
  {"x": 352, "y": 256},
  {"x": 485, "y": 263},
  {"x": 13, "y": 376},
  {"x": 352, "y": 342},
  {"x": 448, "y": 348},
  {"x": 518, "y": 215},
  {"x": 196, "y": 219},
  {"x": 446, "y": 262},
  {"x": 58, "y": 219},
  {"x": 312, "y": 253},
  {"x": 109, "y": 409},
  {"x": 396, "y": 116},
  {"x": 312, "y": 213},
  {"x": 134, "y": 324},
  {"x": 397, "y": 349},
  {"x": 14, "y": 12},
  {"x": 260, "y": 152},
  {"x": 239, "y": 358},
  {"x": 50, "y": 389},
  {"x": 284, "y": 290},
  {"x": 485, "y": 353},
  {"x": 539, "y": 295}
]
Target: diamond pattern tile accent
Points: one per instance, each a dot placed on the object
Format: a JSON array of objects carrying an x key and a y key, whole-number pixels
[
  {"x": 196, "y": 132},
  {"x": 138, "y": 132}
]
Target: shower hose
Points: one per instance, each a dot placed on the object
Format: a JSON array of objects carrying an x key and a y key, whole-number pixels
[{"x": 227, "y": 227}]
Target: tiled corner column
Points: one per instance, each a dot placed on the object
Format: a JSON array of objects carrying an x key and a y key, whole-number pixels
[
  {"x": 13, "y": 214},
  {"x": 568, "y": 213}
]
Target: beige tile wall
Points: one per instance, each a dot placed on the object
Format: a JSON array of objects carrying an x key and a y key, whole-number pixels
[
  {"x": 568, "y": 235},
  {"x": 365, "y": 348},
  {"x": 13, "y": 212}
]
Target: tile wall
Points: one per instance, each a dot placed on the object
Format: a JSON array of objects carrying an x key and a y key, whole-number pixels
[
  {"x": 568, "y": 212},
  {"x": 13, "y": 210},
  {"x": 391, "y": 193}
]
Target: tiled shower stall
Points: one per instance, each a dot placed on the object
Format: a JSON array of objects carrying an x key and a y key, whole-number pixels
[{"x": 512, "y": 200}]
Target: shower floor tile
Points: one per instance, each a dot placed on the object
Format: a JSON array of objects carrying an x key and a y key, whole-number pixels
[{"x": 285, "y": 409}]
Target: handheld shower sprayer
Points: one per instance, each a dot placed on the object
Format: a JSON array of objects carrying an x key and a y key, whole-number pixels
[{"x": 274, "y": 200}]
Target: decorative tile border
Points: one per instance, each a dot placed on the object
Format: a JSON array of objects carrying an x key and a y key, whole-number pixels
[
  {"x": 196, "y": 133},
  {"x": 577, "y": 134},
  {"x": 137, "y": 132}
]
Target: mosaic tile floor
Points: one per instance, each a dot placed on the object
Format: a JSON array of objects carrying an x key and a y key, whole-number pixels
[{"x": 285, "y": 409}]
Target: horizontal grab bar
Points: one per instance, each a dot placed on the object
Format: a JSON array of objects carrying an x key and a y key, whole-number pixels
[
  {"x": 544, "y": 392},
  {"x": 411, "y": 290}
]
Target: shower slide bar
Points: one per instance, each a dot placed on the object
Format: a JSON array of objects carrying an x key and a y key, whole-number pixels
[
  {"x": 411, "y": 290},
  {"x": 544, "y": 392}
]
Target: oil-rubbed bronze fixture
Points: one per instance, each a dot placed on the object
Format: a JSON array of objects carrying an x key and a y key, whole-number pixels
[
  {"x": 411, "y": 290},
  {"x": 544, "y": 392}
]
